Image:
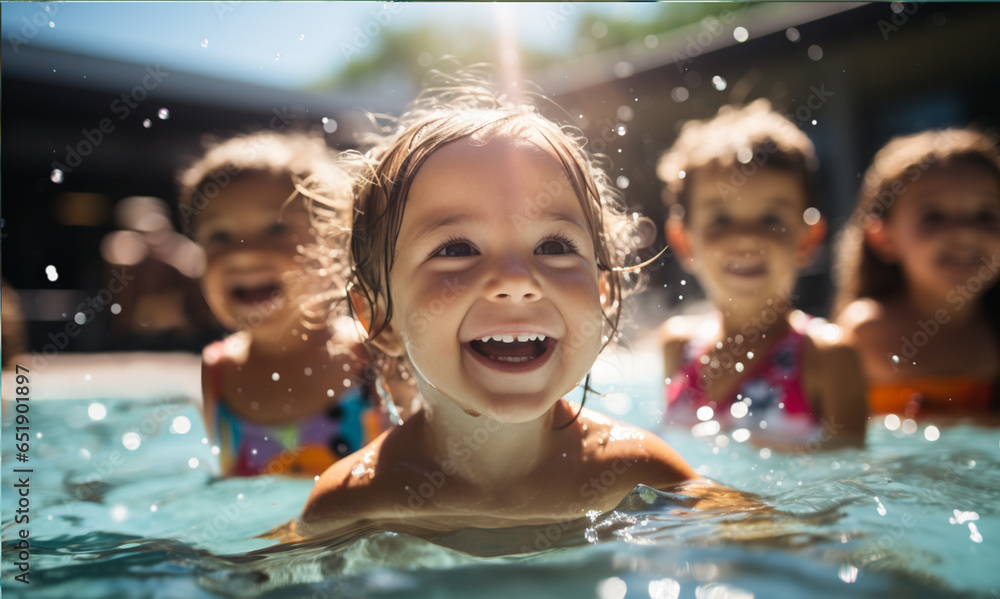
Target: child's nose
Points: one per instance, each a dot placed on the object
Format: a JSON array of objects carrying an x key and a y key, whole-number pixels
[{"x": 513, "y": 281}]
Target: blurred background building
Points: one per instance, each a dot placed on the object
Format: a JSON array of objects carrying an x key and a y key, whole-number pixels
[{"x": 103, "y": 103}]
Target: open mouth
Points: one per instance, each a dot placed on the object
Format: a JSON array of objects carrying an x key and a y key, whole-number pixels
[
  {"x": 257, "y": 294},
  {"x": 746, "y": 270},
  {"x": 513, "y": 350}
]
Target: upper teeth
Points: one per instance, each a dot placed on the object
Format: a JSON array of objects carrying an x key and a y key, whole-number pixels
[{"x": 512, "y": 338}]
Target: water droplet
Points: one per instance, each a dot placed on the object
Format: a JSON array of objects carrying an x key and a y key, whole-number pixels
[
  {"x": 329, "y": 125},
  {"x": 275, "y": 376},
  {"x": 52, "y": 274},
  {"x": 931, "y": 433},
  {"x": 163, "y": 113},
  {"x": 811, "y": 216},
  {"x": 749, "y": 355},
  {"x": 704, "y": 413},
  {"x": 193, "y": 463},
  {"x": 147, "y": 123},
  {"x": 204, "y": 43},
  {"x": 879, "y": 507},
  {"x": 97, "y": 411},
  {"x": 814, "y": 121},
  {"x": 679, "y": 94},
  {"x": 744, "y": 155},
  {"x": 116, "y": 308},
  {"x": 651, "y": 41},
  {"x": 277, "y": 56},
  {"x": 302, "y": 37},
  {"x": 741, "y": 34},
  {"x": 974, "y": 533},
  {"x": 622, "y": 182},
  {"x": 119, "y": 513},
  {"x": 56, "y": 176},
  {"x": 623, "y": 69},
  {"x": 358, "y": 470},
  {"x": 80, "y": 318},
  {"x": 793, "y": 34},
  {"x": 621, "y": 130},
  {"x": 719, "y": 83},
  {"x": 181, "y": 425},
  {"x": 131, "y": 441},
  {"x": 625, "y": 113},
  {"x": 848, "y": 573},
  {"x": 815, "y": 52}
]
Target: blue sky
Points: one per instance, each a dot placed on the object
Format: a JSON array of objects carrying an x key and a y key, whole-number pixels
[{"x": 282, "y": 44}]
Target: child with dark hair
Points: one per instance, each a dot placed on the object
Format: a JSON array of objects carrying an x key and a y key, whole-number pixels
[
  {"x": 742, "y": 221},
  {"x": 918, "y": 270},
  {"x": 491, "y": 254}
]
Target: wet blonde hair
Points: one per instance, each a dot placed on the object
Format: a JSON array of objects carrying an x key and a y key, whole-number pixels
[
  {"x": 744, "y": 139},
  {"x": 860, "y": 272},
  {"x": 318, "y": 179}
]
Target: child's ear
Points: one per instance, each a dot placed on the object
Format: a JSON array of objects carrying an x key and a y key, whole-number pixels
[
  {"x": 811, "y": 243},
  {"x": 680, "y": 242},
  {"x": 881, "y": 242},
  {"x": 387, "y": 340}
]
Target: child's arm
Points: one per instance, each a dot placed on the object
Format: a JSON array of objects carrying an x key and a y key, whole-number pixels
[
  {"x": 674, "y": 337},
  {"x": 835, "y": 376}
]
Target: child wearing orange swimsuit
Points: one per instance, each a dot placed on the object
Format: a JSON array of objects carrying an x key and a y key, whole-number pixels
[
  {"x": 741, "y": 221},
  {"x": 919, "y": 263}
]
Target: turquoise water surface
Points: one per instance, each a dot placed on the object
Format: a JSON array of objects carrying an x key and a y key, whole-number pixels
[{"x": 124, "y": 504}]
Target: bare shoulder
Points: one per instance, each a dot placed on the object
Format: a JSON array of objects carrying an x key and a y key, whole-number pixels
[
  {"x": 632, "y": 454},
  {"x": 347, "y": 492},
  {"x": 231, "y": 351}
]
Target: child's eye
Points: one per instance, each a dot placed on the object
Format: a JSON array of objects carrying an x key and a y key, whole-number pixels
[
  {"x": 721, "y": 221},
  {"x": 454, "y": 248},
  {"x": 556, "y": 246},
  {"x": 277, "y": 229},
  {"x": 218, "y": 238},
  {"x": 932, "y": 218},
  {"x": 986, "y": 218},
  {"x": 773, "y": 221}
]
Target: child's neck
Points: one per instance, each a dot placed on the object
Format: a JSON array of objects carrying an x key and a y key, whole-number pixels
[
  {"x": 961, "y": 309},
  {"x": 285, "y": 340},
  {"x": 753, "y": 329},
  {"x": 484, "y": 451}
]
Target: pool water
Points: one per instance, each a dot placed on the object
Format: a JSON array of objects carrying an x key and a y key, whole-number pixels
[{"x": 124, "y": 503}]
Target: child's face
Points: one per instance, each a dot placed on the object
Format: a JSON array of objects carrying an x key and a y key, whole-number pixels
[
  {"x": 250, "y": 244},
  {"x": 494, "y": 244},
  {"x": 945, "y": 227},
  {"x": 745, "y": 243}
]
